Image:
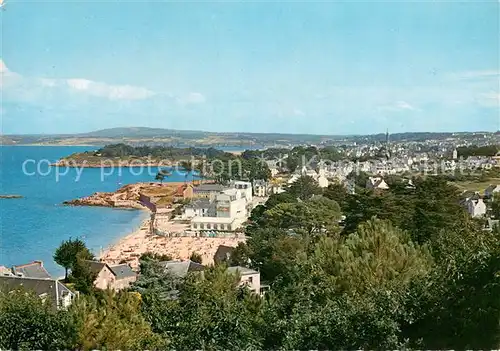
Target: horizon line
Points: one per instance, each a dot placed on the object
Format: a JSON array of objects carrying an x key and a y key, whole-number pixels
[{"x": 82, "y": 134}]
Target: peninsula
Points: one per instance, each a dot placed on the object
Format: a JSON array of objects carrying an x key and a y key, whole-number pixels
[{"x": 122, "y": 155}]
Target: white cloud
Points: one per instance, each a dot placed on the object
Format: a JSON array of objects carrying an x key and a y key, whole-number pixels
[
  {"x": 491, "y": 99},
  {"x": 3, "y": 67},
  {"x": 7, "y": 77},
  {"x": 399, "y": 106},
  {"x": 36, "y": 89},
  {"x": 403, "y": 105},
  {"x": 298, "y": 112},
  {"x": 79, "y": 84},
  {"x": 192, "y": 98},
  {"x": 46, "y": 82},
  {"x": 481, "y": 74},
  {"x": 112, "y": 92}
]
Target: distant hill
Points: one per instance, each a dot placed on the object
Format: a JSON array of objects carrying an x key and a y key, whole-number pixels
[
  {"x": 182, "y": 138},
  {"x": 131, "y": 132}
]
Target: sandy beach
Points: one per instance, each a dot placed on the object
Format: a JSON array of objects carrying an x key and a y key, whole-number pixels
[{"x": 132, "y": 246}]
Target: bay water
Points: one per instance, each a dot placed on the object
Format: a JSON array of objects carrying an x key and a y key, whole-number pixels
[{"x": 32, "y": 227}]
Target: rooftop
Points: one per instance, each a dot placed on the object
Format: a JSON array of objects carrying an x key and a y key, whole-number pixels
[
  {"x": 39, "y": 286},
  {"x": 223, "y": 253},
  {"x": 209, "y": 187},
  {"x": 33, "y": 269},
  {"x": 182, "y": 268},
  {"x": 242, "y": 270},
  {"x": 199, "y": 203},
  {"x": 96, "y": 266},
  {"x": 122, "y": 271}
]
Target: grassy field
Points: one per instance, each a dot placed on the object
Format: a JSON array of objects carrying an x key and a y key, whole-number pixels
[{"x": 476, "y": 186}]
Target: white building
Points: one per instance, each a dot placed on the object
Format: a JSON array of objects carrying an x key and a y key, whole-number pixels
[
  {"x": 322, "y": 181},
  {"x": 199, "y": 208},
  {"x": 309, "y": 172},
  {"x": 476, "y": 207},
  {"x": 226, "y": 224},
  {"x": 244, "y": 187},
  {"x": 248, "y": 277},
  {"x": 260, "y": 188},
  {"x": 230, "y": 212},
  {"x": 231, "y": 203},
  {"x": 376, "y": 183}
]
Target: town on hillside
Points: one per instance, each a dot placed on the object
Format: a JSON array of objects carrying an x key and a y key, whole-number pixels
[{"x": 208, "y": 218}]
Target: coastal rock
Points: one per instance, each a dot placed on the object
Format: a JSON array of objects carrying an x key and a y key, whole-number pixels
[
  {"x": 125, "y": 197},
  {"x": 108, "y": 163}
]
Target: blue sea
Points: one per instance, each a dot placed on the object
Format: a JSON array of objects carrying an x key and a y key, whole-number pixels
[{"x": 32, "y": 228}]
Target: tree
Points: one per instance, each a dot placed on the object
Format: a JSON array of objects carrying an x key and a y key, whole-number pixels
[
  {"x": 304, "y": 188},
  {"x": 457, "y": 306},
  {"x": 338, "y": 193},
  {"x": 81, "y": 275},
  {"x": 436, "y": 207},
  {"x": 196, "y": 257},
  {"x": 29, "y": 323},
  {"x": 160, "y": 177},
  {"x": 66, "y": 254},
  {"x": 275, "y": 199},
  {"x": 113, "y": 321},
  {"x": 270, "y": 250},
  {"x": 318, "y": 215},
  {"x": 495, "y": 207},
  {"x": 155, "y": 256},
  {"x": 379, "y": 256},
  {"x": 212, "y": 312},
  {"x": 359, "y": 178},
  {"x": 187, "y": 166},
  {"x": 345, "y": 292}
]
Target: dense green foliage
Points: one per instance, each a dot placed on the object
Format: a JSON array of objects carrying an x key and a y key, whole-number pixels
[
  {"x": 431, "y": 206},
  {"x": 155, "y": 256},
  {"x": 28, "y": 323},
  {"x": 108, "y": 321},
  {"x": 196, "y": 257},
  {"x": 304, "y": 188},
  {"x": 474, "y": 150},
  {"x": 406, "y": 269},
  {"x": 163, "y": 152},
  {"x": 68, "y": 252},
  {"x": 231, "y": 167}
]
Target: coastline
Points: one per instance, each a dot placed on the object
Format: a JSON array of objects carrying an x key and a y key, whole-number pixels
[
  {"x": 111, "y": 165},
  {"x": 132, "y": 245},
  {"x": 123, "y": 238}
]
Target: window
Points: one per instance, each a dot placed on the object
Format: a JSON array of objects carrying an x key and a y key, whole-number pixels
[{"x": 250, "y": 280}]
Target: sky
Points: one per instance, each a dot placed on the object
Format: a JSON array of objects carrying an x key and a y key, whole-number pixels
[{"x": 290, "y": 67}]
